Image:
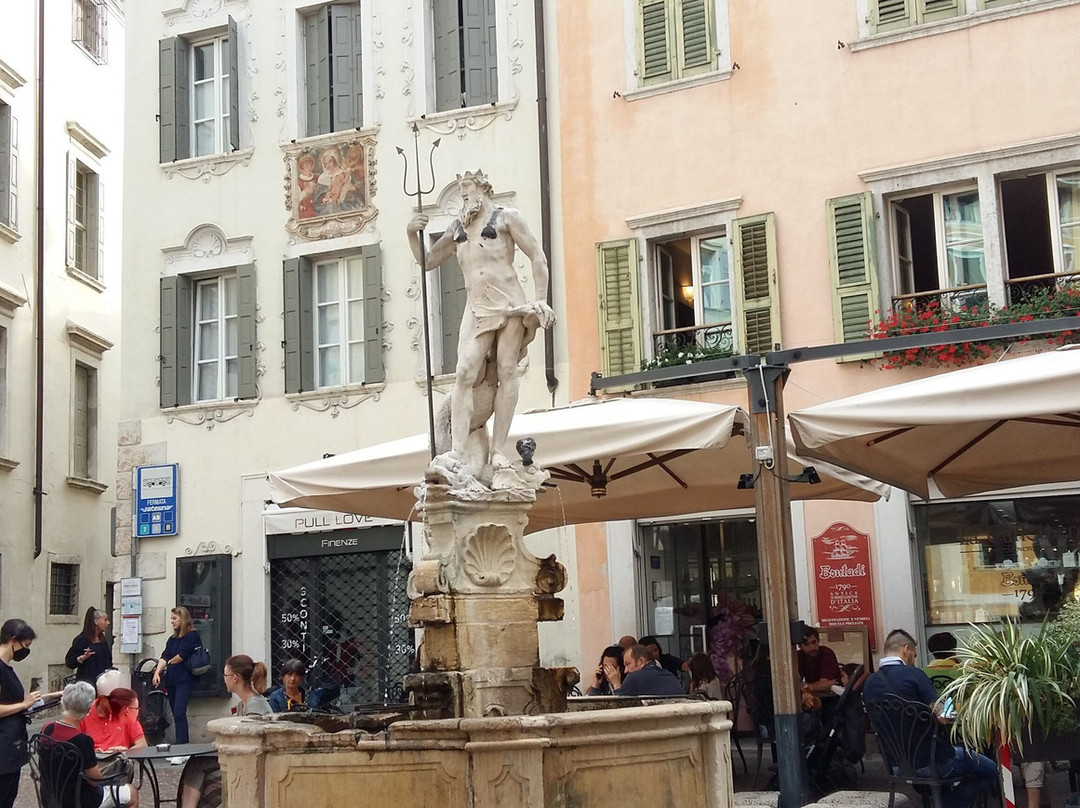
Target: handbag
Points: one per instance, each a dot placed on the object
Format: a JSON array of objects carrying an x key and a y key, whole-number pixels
[
  {"x": 199, "y": 661},
  {"x": 111, "y": 764}
]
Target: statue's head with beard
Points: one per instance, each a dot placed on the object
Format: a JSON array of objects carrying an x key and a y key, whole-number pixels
[{"x": 475, "y": 191}]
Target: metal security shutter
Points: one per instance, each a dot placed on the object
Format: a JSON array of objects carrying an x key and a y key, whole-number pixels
[
  {"x": 299, "y": 333},
  {"x": 234, "y": 86},
  {"x": 246, "y": 365},
  {"x": 174, "y": 115},
  {"x": 756, "y": 284},
  {"x": 345, "y": 80},
  {"x": 851, "y": 257},
  {"x": 617, "y": 283},
  {"x": 175, "y": 333},
  {"x": 317, "y": 61},
  {"x": 447, "y": 23},
  {"x": 451, "y": 310},
  {"x": 374, "y": 371},
  {"x": 346, "y": 617}
]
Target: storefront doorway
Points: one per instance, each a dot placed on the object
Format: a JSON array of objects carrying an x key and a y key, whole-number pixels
[
  {"x": 338, "y": 602},
  {"x": 692, "y": 569}
]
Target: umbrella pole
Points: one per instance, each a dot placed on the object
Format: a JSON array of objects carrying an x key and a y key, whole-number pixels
[{"x": 775, "y": 550}]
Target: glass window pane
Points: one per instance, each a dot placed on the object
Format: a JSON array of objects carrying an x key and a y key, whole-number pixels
[
  {"x": 1068, "y": 188},
  {"x": 204, "y": 101},
  {"x": 716, "y": 300},
  {"x": 963, "y": 239},
  {"x": 231, "y": 338},
  {"x": 329, "y": 366},
  {"x": 208, "y": 341},
  {"x": 231, "y": 378},
  {"x": 356, "y": 362},
  {"x": 356, "y": 320},
  {"x": 355, "y": 268},
  {"x": 207, "y": 381},
  {"x": 326, "y": 282},
  {"x": 328, "y": 327},
  {"x": 208, "y": 301},
  {"x": 205, "y": 139},
  {"x": 204, "y": 61},
  {"x": 714, "y": 260},
  {"x": 230, "y": 285}
]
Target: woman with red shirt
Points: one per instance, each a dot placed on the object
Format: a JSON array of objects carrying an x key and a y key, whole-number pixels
[{"x": 113, "y": 721}]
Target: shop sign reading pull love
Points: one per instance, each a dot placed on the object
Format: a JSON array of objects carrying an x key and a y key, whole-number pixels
[{"x": 845, "y": 595}]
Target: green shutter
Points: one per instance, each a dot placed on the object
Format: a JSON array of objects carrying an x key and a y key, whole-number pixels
[
  {"x": 854, "y": 273},
  {"x": 80, "y": 438},
  {"x": 9, "y": 167},
  {"x": 234, "y": 87},
  {"x": 988, "y": 4},
  {"x": 890, "y": 15},
  {"x": 317, "y": 61},
  {"x": 654, "y": 43},
  {"x": 72, "y": 179},
  {"x": 246, "y": 364},
  {"x": 451, "y": 310},
  {"x": 478, "y": 54},
  {"x": 932, "y": 10},
  {"x": 299, "y": 327},
  {"x": 695, "y": 37},
  {"x": 175, "y": 334},
  {"x": 617, "y": 284},
  {"x": 374, "y": 370},
  {"x": 756, "y": 288},
  {"x": 97, "y": 243},
  {"x": 174, "y": 117},
  {"x": 345, "y": 82},
  {"x": 448, "y": 91}
]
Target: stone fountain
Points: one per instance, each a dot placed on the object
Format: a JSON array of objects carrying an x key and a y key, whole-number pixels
[{"x": 489, "y": 726}]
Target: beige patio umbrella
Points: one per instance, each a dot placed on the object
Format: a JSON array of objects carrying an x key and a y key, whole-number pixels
[
  {"x": 1012, "y": 423},
  {"x": 610, "y": 459}
]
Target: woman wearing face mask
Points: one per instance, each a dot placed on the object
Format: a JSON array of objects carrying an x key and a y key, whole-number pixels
[
  {"x": 90, "y": 653},
  {"x": 16, "y": 636}
]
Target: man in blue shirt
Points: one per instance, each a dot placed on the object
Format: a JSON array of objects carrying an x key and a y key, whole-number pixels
[
  {"x": 642, "y": 678},
  {"x": 898, "y": 675}
]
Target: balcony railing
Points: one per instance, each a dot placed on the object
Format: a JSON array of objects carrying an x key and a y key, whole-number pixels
[
  {"x": 717, "y": 338},
  {"x": 90, "y": 28}
]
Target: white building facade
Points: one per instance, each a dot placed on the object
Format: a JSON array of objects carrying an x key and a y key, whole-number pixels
[
  {"x": 278, "y": 308},
  {"x": 61, "y": 132}
]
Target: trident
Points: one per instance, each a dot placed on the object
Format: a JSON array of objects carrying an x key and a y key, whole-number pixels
[{"x": 419, "y": 194}]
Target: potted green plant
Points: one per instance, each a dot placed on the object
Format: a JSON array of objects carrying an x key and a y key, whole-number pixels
[{"x": 1020, "y": 689}]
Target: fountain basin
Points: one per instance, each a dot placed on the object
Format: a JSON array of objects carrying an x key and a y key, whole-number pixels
[{"x": 666, "y": 754}]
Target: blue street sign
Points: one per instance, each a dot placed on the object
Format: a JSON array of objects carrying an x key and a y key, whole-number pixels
[{"x": 156, "y": 495}]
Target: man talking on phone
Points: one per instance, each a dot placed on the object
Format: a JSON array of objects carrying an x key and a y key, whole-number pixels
[{"x": 898, "y": 675}]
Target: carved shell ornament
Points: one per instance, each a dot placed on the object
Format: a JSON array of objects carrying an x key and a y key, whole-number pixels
[{"x": 489, "y": 555}]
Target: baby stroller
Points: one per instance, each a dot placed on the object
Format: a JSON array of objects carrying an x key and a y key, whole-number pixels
[
  {"x": 153, "y": 703},
  {"x": 840, "y": 744}
]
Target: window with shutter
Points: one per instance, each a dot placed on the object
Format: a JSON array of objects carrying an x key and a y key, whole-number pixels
[
  {"x": 85, "y": 225},
  {"x": 676, "y": 39},
  {"x": 892, "y": 15},
  {"x": 175, "y": 335},
  {"x": 84, "y": 422},
  {"x": 851, "y": 257},
  {"x": 9, "y": 168},
  {"x": 465, "y": 53},
  {"x": 619, "y": 306},
  {"x": 333, "y": 38},
  {"x": 756, "y": 288},
  {"x": 695, "y": 304},
  {"x": 451, "y": 309}
]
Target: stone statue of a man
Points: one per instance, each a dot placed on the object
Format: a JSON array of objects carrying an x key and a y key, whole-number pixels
[{"x": 499, "y": 320}]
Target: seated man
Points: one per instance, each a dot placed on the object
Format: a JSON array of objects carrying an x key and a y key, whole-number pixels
[
  {"x": 669, "y": 662},
  {"x": 642, "y": 678},
  {"x": 75, "y": 703},
  {"x": 818, "y": 667},
  {"x": 898, "y": 675},
  {"x": 944, "y": 667}
]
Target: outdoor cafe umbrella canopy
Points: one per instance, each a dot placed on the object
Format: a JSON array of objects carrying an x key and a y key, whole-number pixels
[
  {"x": 1012, "y": 423},
  {"x": 650, "y": 457}
]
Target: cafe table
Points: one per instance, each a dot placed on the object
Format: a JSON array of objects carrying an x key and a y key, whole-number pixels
[{"x": 146, "y": 756}]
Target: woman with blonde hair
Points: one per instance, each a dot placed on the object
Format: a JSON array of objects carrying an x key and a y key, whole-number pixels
[
  {"x": 172, "y": 669},
  {"x": 246, "y": 679}
]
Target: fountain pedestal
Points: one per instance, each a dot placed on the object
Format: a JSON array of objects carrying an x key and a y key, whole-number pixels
[{"x": 478, "y": 594}]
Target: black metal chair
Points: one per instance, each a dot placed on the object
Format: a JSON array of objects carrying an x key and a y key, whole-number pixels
[
  {"x": 763, "y": 718},
  {"x": 912, "y": 744},
  {"x": 733, "y": 693},
  {"x": 56, "y": 768}
]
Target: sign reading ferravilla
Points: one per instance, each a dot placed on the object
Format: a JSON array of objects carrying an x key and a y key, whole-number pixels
[{"x": 845, "y": 595}]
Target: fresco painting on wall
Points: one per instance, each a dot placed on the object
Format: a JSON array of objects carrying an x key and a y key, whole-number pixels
[{"x": 329, "y": 186}]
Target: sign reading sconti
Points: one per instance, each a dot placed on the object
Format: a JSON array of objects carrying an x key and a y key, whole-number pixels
[{"x": 156, "y": 500}]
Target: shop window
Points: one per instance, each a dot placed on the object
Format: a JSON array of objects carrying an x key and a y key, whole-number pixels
[
  {"x": 63, "y": 588},
  {"x": 204, "y": 588},
  {"x": 1003, "y": 558}
]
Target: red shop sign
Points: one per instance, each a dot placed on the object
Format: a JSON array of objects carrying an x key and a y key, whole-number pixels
[{"x": 845, "y": 595}]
